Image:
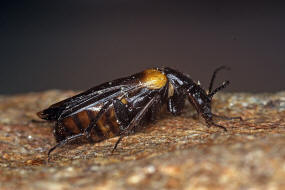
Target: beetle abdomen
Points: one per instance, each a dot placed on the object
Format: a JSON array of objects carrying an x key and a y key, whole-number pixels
[{"x": 106, "y": 127}]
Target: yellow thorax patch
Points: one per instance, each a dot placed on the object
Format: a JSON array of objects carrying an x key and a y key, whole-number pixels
[{"x": 153, "y": 79}]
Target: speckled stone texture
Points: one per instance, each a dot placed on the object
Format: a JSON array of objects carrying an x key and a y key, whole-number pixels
[{"x": 172, "y": 153}]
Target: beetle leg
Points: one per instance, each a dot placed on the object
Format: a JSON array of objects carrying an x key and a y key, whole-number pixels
[
  {"x": 122, "y": 113},
  {"x": 118, "y": 141},
  {"x": 63, "y": 142},
  {"x": 92, "y": 125},
  {"x": 227, "y": 118},
  {"x": 176, "y": 103},
  {"x": 136, "y": 120},
  {"x": 210, "y": 123},
  {"x": 154, "y": 109},
  {"x": 86, "y": 133}
]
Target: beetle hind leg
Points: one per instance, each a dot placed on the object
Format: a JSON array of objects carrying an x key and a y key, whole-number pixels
[
  {"x": 86, "y": 133},
  {"x": 63, "y": 142}
]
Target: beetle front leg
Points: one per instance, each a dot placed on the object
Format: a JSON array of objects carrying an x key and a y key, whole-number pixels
[
  {"x": 210, "y": 122},
  {"x": 176, "y": 103}
]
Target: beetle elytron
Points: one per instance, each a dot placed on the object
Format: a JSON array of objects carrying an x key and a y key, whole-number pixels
[{"x": 119, "y": 107}]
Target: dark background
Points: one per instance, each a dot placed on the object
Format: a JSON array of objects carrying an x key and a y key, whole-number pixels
[{"x": 79, "y": 44}]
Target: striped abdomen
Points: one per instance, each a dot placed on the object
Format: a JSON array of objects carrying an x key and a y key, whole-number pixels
[{"x": 106, "y": 127}]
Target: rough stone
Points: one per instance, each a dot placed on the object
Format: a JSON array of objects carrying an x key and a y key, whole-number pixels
[{"x": 172, "y": 153}]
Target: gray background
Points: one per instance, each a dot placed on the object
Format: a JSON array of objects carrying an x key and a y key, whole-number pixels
[{"x": 80, "y": 44}]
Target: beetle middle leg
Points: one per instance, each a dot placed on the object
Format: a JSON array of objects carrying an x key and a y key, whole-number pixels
[
  {"x": 227, "y": 118},
  {"x": 122, "y": 113},
  {"x": 136, "y": 120}
]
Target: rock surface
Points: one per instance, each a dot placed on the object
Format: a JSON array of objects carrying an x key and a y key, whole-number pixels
[{"x": 172, "y": 153}]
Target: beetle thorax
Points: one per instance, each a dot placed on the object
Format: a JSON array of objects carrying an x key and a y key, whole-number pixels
[{"x": 153, "y": 79}]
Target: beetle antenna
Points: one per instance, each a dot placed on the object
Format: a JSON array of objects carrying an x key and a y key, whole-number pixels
[
  {"x": 224, "y": 85},
  {"x": 214, "y": 76}
]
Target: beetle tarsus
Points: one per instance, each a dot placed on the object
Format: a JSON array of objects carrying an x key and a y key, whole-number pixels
[
  {"x": 227, "y": 118},
  {"x": 116, "y": 144},
  {"x": 211, "y": 123},
  {"x": 63, "y": 142}
]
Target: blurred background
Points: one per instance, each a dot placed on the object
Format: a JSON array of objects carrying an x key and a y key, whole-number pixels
[{"x": 79, "y": 44}]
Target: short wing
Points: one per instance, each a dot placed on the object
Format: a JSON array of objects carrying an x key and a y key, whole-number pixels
[{"x": 89, "y": 98}]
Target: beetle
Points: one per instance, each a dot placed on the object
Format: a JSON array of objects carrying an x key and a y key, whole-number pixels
[{"x": 120, "y": 107}]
